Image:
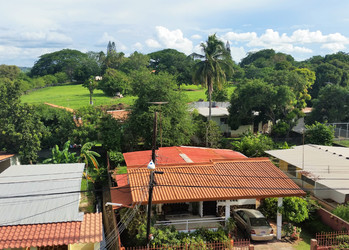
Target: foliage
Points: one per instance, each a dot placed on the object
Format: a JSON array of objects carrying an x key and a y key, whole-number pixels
[
  {"x": 173, "y": 62},
  {"x": 88, "y": 156},
  {"x": 61, "y": 156},
  {"x": 115, "y": 81},
  {"x": 116, "y": 157},
  {"x": 9, "y": 71},
  {"x": 289, "y": 230},
  {"x": 201, "y": 127},
  {"x": 136, "y": 61},
  {"x": 219, "y": 95},
  {"x": 267, "y": 58},
  {"x": 91, "y": 84},
  {"x": 253, "y": 145},
  {"x": 332, "y": 105},
  {"x": 294, "y": 209},
  {"x": 109, "y": 132},
  {"x": 281, "y": 129},
  {"x": 319, "y": 134},
  {"x": 58, "y": 123},
  {"x": 257, "y": 101},
  {"x": 215, "y": 64},
  {"x": 20, "y": 127},
  {"x": 342, "y": 211},
  {"x": 173, "y": 121},
  {"x": 65, "y": 60}
]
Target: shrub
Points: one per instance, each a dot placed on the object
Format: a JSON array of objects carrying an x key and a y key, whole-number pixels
[{"x": 342, "y": 211}]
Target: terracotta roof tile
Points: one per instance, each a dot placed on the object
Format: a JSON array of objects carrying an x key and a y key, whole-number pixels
[
  {"x": 50, "y": 234},
  {"x": 177, "y": 155},
  {"x": 121, "y": 195},
  {"x": 4, "y": 156},
  {"x": 239, "y": 179},
  {"x": 119, "y": 114},
  {"x": 121, "y": 179}
]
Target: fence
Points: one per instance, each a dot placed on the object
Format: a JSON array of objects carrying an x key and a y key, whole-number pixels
[
  {"x": 232, "y": 244},
  {"x": 341, "y": 130},
  {"x": 330, "y": 240},
  {"x": 190, "y": 224}
]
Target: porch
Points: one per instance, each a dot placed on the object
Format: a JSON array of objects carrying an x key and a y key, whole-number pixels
[{"x": 189, "y": 223}]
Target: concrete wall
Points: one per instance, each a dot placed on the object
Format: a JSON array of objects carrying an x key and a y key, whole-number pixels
[
  {"x": 84, "y": 246},
  {"x": 4, "y": 164},
  {"x": 323, "y": 192}
]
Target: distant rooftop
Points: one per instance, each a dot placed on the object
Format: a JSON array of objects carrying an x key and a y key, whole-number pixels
[{"x": 180, "y": 155}]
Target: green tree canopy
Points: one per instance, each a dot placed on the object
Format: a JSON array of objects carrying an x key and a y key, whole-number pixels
[
  {"x": 319, "y": 134},
  {"x": 20, "y": 127},
  {"x": 115, "y": 81},
  {"x": 174, "y": 120},
  {"x": 173, "y": 62}
]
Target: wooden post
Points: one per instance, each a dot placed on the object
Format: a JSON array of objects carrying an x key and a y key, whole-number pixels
[{"x": 313, "y": 244}]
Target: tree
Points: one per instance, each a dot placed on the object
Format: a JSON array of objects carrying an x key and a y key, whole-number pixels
[
  {"x": 61, "y": 156},
  {"x": 65, "y": 60},
  {"x": 211, "y": 70},
  {"x": 332, "y": 105},
  {"x": 114, "y": 81},
  {"x": 319, "y": 134},
  {"x": 20, "y": 127},
  {"x": 173, "y": 62},
  {"x": 91, "y": 84},
  {"x": 175, "y": 127},
  {"x": 9, "y": 71},
  {"x": 136, "y": 61},
  {"x": 255, "y": 101},
  {"x": 253, "y": 145}
]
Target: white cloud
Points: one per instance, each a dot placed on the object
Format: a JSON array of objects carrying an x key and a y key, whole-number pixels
[
  {"x": 240, "y": 36},
  {"x": 238, "y": 53},
  {"x": 196, "y": 36},
  {"x": 174, "y": 39},
  {"x": 334, "y": 47},
  {"x": 152, "y": 43},
  {"x": 105, "y": 39},
  {"x": 137, "y": 46}
]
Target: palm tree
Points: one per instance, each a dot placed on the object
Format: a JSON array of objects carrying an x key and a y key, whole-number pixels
[
  {"x": 214, "y": 63},
  {"x": 211, "y": 69}
]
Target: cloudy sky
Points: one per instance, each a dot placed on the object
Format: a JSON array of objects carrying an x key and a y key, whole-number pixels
[{"x": 303, "y": 29}]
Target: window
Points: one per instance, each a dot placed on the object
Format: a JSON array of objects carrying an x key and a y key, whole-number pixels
[
  {"x": 224, "y": 120},
  {"x": 292, "y": 170}
]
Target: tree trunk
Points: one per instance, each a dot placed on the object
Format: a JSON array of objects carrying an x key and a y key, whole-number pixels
[
  {"x": 91, "y": 102},
  {"x": 208, "y": 129}
]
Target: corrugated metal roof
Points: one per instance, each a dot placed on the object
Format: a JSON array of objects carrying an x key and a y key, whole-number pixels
[
  {"x": 239, "y": 179},
  {"x": 32, "y": 194},
  {"x": 53, "y": 234},
  {"x": 172, "y": 155}
]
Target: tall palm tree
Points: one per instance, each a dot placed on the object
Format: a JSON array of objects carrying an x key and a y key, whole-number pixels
[{"x": 211, "y": 69}]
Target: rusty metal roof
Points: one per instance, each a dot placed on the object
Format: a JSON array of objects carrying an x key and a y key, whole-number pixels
[
  {"x": 220, "y": 180},
  {"x": 53, "y": 234},
  {"x": 180, "y": 155}
]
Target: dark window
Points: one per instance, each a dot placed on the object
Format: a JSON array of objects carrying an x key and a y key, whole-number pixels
[
  {"x": 292, "y": 170},
  {"x": 224, "y": 120},
  {"x": 308, "y": 180},
  {"x": 255, "y": 222}
]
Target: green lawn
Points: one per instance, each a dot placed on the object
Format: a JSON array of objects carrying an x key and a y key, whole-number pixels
[
  {"x": 72, "y": 96},
  {"x": 76, "y": 96},
  {"x": 344, "y": 143}
]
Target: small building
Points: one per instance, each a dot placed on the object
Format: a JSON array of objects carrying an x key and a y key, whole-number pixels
[
  {"x": 200, "y": 187},
  {"x": 322, "y": 170},
  {"x": 40, "y": 208},
  {"x": 220, "y": 113}
]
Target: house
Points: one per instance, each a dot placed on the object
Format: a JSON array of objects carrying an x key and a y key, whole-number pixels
[
  {"x": 196, "y": 193},
  {"x": 5, "y": 160},
  {"x": 322, "y": 170},
  {"x": 40, "y": 208},
  {"x": 220, "y": 113}
]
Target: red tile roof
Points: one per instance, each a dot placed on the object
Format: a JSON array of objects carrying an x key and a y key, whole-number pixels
[
  {"x": 4, "y": 156},
  {"x": 119, "y": 114},
  {"x": 177, "y": 155},
  {"x": 53, "y": 234},
  {"x": 222, "y": 180},
  {"x": 120, "y": 179},
  {"x": 121, "y": 195}
]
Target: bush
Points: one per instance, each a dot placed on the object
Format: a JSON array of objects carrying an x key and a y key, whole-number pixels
[
  {"x": 253, "y": 145},
  {"x": 342, "y": 211},
  {"x": 319, "y": 134}
]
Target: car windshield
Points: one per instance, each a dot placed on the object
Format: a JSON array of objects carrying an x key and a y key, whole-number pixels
[{"x": 255, "y": 222}]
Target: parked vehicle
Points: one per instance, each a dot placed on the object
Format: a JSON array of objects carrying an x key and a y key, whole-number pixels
[{"x": 253, "y": 223}]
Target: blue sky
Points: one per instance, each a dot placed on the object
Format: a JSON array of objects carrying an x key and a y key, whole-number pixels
[{"x": 303, "y": 29}]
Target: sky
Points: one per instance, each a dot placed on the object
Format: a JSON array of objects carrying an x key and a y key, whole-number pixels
[{"x": 29, "y": 29}]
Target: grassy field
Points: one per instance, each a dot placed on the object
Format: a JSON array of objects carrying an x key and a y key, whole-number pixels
[
  {"x": 344, "y": 143},
  {"x": 76, "y": 96}
]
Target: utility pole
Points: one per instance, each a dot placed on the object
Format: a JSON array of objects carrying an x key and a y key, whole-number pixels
[{"x": 151, "y": 179}]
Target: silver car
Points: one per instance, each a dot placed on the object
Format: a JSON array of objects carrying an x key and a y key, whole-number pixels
[{"x": 254, "y": 224}]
